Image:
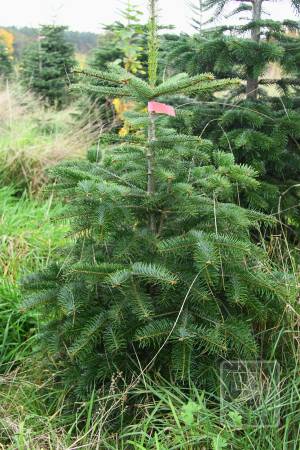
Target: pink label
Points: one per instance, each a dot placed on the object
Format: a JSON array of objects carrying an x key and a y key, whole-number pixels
[{"x": 161, "y": 108}]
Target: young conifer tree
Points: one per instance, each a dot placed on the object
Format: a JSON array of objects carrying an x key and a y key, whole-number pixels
[
  {"x": 161, "y": 272},
  {"x": 47, "y": 63}
]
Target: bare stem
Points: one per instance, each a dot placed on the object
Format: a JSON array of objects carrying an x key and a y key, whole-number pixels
[
  {"x": 152, "y": 49},
  {"x": 152, "y": 43},
  {"x": 150, "y": 164}
]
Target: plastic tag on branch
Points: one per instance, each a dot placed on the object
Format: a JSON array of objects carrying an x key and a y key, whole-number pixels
[{"x": 161, "y": 108}]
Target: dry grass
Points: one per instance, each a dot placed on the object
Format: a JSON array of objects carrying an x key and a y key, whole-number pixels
[{"x": 32, "y": 138}]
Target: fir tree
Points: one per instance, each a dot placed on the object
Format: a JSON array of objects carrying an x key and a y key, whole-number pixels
[
  {"x": 161, "y": 272},
  {"x": 228, "y": 51},
  {"x": 47, "y": 64},
  {"x": 124, "y": 43}
]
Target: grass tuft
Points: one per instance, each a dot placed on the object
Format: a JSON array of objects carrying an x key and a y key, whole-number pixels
[{"x": 33, "y": 139}]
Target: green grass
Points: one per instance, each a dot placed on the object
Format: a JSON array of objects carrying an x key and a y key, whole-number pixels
[
  {"x": 187, "y": 420},
  {"x": 17, "y": 330},
  {"x": 33, "y": 138},
  {"x": 34, "y": 416},
  {"x": 27, "y": 240},
  {"x": 27, "y": 236}
]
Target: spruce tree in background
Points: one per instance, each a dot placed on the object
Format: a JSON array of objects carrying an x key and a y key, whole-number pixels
[
  {"x": 259, "y": 121},
  {"x": 161, "y": 273},
  {"x": 258, "y": 51},
  {"x": 6, "y": 52},
  {"x": 6, "y": 66},
  {"x": 123, "y": 43},
  {"x": 229, "y": 51},
  {"x": 47, "y": 64}
]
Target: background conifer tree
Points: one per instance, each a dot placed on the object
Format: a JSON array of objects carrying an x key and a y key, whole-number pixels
[
  {"x": 46, "y": 65},
  {"x": 161, "y": 272},
  {"x": 124, "y": 43},
  {"x": 258, "y": 121},
  {"x": 6, "y": 52},
  {"x": 6, "y": 66},
  {"x": 258, "y": 50}
]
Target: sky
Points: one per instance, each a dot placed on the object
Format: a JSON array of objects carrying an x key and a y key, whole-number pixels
[{"x": 90, "y": 15}]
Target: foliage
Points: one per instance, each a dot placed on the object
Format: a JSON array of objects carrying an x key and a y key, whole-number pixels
[
  {"x": 47, "y": 64},
  {"x": 123, "y": 43},
  {"x": 35, "y": 416},
  {"x": 176, "y": 283},
  {"x": 33, "y": 139},
  {"x": 129, "y": 39},
  {"x": 262, "y": 129},
  {"x": 5, "y": 61},
  {"x": 7, "y": 38},
  {"x": 82, "y": 41},
  {"x": 235, "y": 55},
  {"x": 261, "y": 134}
]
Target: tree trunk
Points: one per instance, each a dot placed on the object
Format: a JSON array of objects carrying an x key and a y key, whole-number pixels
[
  {"x": 252, "y": 88},
  {"x": 252, "y": 83},
  {"x": 200, "y": 16}
]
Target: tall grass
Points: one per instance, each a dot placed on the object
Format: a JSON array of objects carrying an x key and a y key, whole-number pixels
[
  {"x": 17, "y": 330},
  {"x": 33, "y": 138},
  {"x": 27, "y": 236},
  {"x": 27, "y": 240},
  {"x": 169, "y": 418}
]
